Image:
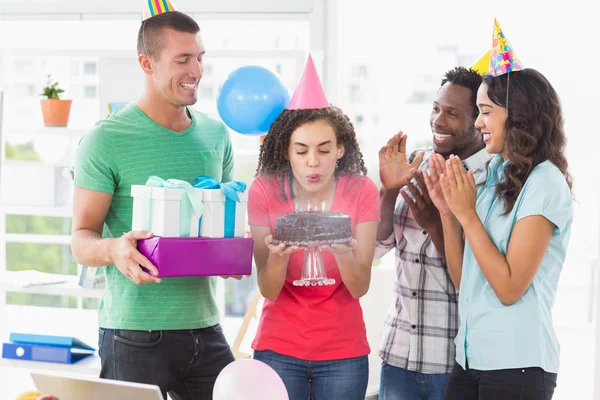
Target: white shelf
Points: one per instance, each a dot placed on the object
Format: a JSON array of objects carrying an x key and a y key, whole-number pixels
[
  {"x": 69, "y": 288},
  {"x": 41, "y": 239},
  {"x": 89, "y": 365},
  {"x": 42, "y": 211},
  {"x": 44, "y": 131}
]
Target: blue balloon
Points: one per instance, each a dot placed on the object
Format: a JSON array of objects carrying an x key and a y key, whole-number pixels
[{"x": 250, "y": 99}]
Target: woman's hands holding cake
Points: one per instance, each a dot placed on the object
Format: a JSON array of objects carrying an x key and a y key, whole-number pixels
[
  {"x": 280, "y": 249},
  {"x": 340, "y": 248}
]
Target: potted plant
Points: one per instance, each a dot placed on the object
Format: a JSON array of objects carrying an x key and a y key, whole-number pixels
[{"x": 54, "y": 110}]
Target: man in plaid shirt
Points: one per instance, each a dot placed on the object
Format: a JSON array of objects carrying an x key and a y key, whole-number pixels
[{"x": 417, "y": 344}]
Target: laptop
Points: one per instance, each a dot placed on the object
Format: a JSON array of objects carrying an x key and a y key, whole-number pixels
[{"x": 74, "y": 387}]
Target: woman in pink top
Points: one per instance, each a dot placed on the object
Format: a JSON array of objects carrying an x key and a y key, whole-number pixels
[{"x": 314, "y": 336}]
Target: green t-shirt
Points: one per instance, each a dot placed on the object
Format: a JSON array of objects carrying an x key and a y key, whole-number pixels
[{"x": 124, "y": 150}]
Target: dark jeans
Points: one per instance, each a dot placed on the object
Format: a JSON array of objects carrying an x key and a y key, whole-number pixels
[
  {"x": 503, "y": 384},
  {"x": 344, "y": 379},
  {"x": 401, "y": 384},
  {"x": 183, "y": 363}
]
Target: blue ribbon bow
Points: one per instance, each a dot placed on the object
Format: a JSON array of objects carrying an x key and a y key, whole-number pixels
[{"x": 230, "y": 191}]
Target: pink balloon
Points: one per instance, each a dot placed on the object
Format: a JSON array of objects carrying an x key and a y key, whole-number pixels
[{"x": 249, "y": 380}]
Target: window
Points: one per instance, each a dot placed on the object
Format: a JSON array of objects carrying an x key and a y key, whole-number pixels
[
  {"x": 89, "y": 68},
  {"x": 356, "y": 93},
  {"x": 89, "y": 56},
  {"x": 90, "y": 92},
  {"x": 362, "y": 71},
  {"x": 24, "y": 65},
  {"x": 206, "y": 91},
  {"x": 74, "y": 67},
  {"x": 417, "y": 98},
  {"x": 247, "y": 42},
  {"x": 23, "y": 86},
  {"x": 21, "y": 90},
  {"x": 208, "y": 69}
]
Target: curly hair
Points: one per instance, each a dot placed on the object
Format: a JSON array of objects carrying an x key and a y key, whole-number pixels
[
  {"x": 273, "y": 160},
  {"x": 534, "y": 129},
  {"x": 467, "y": 78}
]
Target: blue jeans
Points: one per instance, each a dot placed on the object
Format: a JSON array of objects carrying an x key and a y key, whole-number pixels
[
  {"x": 401, "y": 384},
  {"x": 184, "y": 364},
  {"x": 345, "y": 379}
]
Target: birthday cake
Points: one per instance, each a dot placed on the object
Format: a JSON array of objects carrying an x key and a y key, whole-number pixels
[{"x": 309, "y": 228}]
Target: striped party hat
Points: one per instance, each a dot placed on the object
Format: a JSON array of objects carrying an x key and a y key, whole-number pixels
[{"x": 156, "y": 7}]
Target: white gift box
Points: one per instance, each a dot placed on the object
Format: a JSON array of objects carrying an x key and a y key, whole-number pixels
[
  {"x": 213, "y": 222},
  {"x": 163, "y": 211}
]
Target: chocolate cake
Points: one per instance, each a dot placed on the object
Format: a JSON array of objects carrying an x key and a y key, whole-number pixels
[{"x": 309, "y": 228}]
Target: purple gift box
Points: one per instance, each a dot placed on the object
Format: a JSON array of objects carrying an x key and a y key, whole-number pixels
[{"x": 198, "y": 256}]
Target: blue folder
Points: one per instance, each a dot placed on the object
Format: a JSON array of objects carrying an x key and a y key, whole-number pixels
[{"x": 59, "y": 349}]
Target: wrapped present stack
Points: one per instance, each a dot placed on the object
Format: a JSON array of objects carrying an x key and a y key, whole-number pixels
[{"x": 198, "y": 230}]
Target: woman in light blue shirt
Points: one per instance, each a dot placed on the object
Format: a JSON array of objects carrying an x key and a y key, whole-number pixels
[{"x": 506, "y": 241}]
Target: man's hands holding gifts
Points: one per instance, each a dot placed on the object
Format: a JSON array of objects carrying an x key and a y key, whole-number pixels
[{"x": 130, "y": 261}]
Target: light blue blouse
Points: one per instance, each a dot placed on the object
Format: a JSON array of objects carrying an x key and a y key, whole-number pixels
[{"x": 491, "y": 335}]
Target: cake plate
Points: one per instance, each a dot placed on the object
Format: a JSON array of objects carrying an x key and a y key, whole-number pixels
[{"x": 313, "y": 270}]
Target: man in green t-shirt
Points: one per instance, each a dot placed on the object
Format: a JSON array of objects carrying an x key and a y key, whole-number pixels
[{"x": 164, "y": 332}]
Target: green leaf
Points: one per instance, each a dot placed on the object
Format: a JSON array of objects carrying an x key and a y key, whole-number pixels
[{"x": 51, "y": 91}]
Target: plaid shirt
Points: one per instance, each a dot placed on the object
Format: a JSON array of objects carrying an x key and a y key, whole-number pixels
[{"x": 418, "y": 334}]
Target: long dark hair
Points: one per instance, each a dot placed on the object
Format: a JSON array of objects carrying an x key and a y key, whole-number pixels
[
  {"x": 274, "y": 150},
  {"x": 534, "y": 128}
]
